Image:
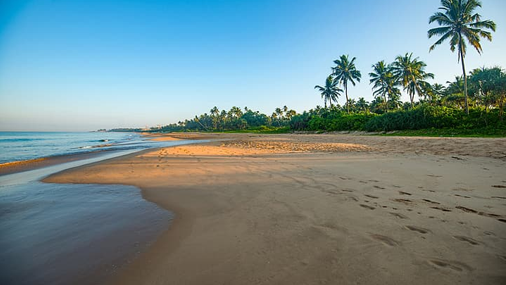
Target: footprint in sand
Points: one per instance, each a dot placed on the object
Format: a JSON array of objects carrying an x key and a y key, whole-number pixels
[
  {"x": 499, "y": 186},
  {"x": 453, "y": 265},
  {"x": 378, "y": 187},
  {"x": 435, "y": 176},
  {"x": 353, "y": 198},
  {"x": 418, "y": 229},
  {"x": 400, "y": 216},
  {"x": 404, "y": 201},
  {"x": 490, "y": 215},
  {"x": 467, "y": 239},
  {"x": 367, "y": 207},
  {"x": 328, "y": 191},
  {"x": 371, "y": 196},
  {"x": 404, "y": 193},
  {"x": 467, "y": 210},
  {"x": 441, "y": 209},
  {"x": 385, "y": 240},
  {"x": 462, "y": 189},
  {"x": 430, "y": 201}
]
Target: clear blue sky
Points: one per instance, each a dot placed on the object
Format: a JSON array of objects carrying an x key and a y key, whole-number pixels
[{"x": 83, "y": 65}]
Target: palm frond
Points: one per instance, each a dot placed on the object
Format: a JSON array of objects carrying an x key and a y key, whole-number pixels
[
  {"x": 441, "y": 40},
  {"x": 441, "y": 19},
  {"x": 487, "y": 24},
  {"x": 438, "y": 31}
]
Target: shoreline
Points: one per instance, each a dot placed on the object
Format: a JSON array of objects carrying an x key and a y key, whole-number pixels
[
  {"x": 25, "y": 195},
  {"x": 41, "y": 162},
  {"x": 32, "y": 164},
  {"x": 194, "y": 181}
]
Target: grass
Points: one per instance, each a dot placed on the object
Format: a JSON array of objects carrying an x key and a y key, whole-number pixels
[
  {"x": 261, "y": 130},
  {"x": 466, "y": 133}
]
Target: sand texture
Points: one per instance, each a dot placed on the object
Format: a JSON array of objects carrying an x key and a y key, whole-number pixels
[{"x": 319, "y": 209}]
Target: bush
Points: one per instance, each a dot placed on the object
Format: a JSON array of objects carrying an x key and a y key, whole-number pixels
[{"x": 421, "y": 117}]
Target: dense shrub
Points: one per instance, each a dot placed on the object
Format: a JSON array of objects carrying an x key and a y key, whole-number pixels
[
  {"x": 300, "y": 122},
  {"x": 421, "y": 117},
  {"x": 438, "y": 117}
]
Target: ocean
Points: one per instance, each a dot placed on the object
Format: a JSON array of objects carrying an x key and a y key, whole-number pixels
[
  {"x": 71, "y": 233},
  {"x": 19, "y": 146}
]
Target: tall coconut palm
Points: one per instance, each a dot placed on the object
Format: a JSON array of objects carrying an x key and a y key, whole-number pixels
[
  {"x": 411, "y": 74},
  {"x": 457, "y": 22},
  {"x": 330, "y": 92},
  {"x": 384, "y": 82},
  {"x": 345, "y": 71}
]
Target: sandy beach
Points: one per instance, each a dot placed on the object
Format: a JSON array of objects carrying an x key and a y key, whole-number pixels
[{"x": 318, "y": 209}]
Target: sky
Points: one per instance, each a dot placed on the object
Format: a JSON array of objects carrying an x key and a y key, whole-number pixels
[{"x": 72, "y": 65}]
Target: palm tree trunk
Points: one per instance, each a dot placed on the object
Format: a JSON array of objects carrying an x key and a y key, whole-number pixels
[
  {"x": 347, "y": 101},
  {"x": 501, "y": 107},
  {"x": 465, "y": 79},
  {"x": 386, "y": 103}
]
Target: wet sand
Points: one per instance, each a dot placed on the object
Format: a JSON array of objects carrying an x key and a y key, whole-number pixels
[
  {"x": 319, "y": 209},
  {"x": 70, "y": 233},
  {"x": 27, "y": 165}
]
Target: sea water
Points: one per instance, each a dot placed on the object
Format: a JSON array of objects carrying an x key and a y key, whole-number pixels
[
  {"x": 73, "y": 234},
  {"x": 18, "y": 146},
  {"x": 69, "y": 233}
]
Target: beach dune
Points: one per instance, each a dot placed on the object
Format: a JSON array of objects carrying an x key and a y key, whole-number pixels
[{"x": 319, "y": 209}]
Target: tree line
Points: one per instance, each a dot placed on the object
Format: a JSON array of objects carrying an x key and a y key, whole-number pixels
[
  {"x": 235, "y": 119},
  {"x": 472, "y": 101},
  {"x": 457, "y": 22}
]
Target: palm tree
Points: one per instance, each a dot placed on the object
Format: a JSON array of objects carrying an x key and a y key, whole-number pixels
[
  {"x": 395, "y": 101},
  {"x": 437, "y": 90},
  {"x": 411, "y": 74},
  {"x": 454, "y": 93},
  {"x": 362, "y": 104},
  {"x": 490, "y": 83},
  {"x": 290, "y": 114},
  {"x": 235, "y": 112},
  {"x": 215, "y": 113},
  {"x": 458, "y": 21},
  {"x": 345, "y": 71},
  {"x": 330, "y": 92},
  {"x": 384, "y": 82}
]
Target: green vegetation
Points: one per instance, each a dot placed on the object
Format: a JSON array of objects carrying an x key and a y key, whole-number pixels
[
  {"x": 234, "y": 120},
  {"x": 330, "y": 92},
  {"x": 344, "y": 72},
  {"x": 459, "y": 22},
  {"x": 410, "y": 73},
  {"x": 385, "y": 83},
  {"x": 439, "y": 112},
  {"x": 471, "y": 105},
  {"x": 482, "y": 133}
]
